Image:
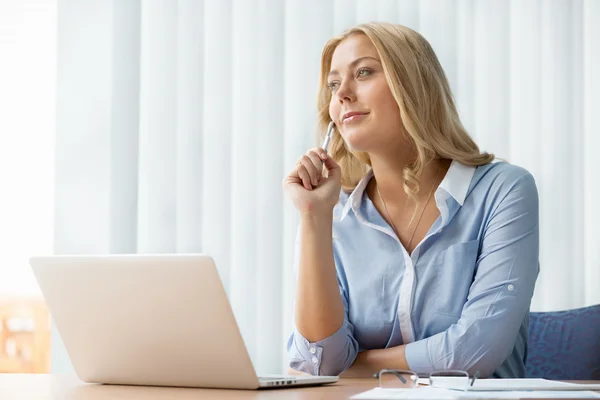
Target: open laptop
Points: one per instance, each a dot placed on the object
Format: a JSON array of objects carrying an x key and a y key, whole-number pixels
[{"x": 159, "y": 320}]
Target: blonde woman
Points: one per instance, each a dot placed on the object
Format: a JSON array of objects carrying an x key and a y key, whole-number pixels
[{"x": 414, "y": 251}]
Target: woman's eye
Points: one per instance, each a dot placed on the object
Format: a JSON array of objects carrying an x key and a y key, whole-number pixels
[
  {"x": 333, "y": 86},
  {"x": 364, "y": 72}
]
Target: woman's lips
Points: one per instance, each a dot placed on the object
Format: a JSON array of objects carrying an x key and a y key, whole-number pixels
[{"x": 354, "y": 118}]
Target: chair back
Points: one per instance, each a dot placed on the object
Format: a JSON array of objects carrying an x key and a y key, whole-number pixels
[{"x": 564, "y": 345}]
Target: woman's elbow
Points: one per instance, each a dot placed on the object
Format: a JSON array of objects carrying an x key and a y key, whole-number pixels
[
  {"x": 484, "y": 360},
  {"x": 303, "y": 367}
]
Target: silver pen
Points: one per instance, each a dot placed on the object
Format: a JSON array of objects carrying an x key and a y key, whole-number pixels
[{"x": 330, "y": 129}]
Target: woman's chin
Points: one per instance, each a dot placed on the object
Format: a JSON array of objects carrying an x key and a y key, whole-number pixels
[{"x": 357, "y": 141}]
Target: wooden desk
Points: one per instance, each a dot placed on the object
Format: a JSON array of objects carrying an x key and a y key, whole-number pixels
[{"x": 68, "y": 387}]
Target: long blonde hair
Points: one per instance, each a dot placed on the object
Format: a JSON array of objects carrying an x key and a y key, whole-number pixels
[{"x": 420, "y": 87}]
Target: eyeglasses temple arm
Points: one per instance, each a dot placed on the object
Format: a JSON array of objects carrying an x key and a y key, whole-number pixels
[{"x": 474, "y": 377}]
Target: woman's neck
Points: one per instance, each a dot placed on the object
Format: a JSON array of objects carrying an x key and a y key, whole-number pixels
[{"x": 389, "y": 178}]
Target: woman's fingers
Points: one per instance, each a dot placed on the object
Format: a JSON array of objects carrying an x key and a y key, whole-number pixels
[
  {"x": 314, "y": 166},
  {"x": 317, "y": 163},
  {"x": 307, "y": 163},
  {"x": 309, "y": 168},
  {"x": 304, "y": 175}
]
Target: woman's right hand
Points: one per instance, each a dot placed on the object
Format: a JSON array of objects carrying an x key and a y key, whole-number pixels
[{"x": 309, "y": 190}]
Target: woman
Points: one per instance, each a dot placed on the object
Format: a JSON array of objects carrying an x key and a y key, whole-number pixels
[{"x": 414, "y": 250}]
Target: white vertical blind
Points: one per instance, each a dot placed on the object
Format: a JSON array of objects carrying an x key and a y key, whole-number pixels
[
  {"x": 188, "y": 129},
  {"x": 244, "y": 113},
  {"x": 177, "y": 122},
  {"x": 158, "y": 128},
  {"x": 266, "y": 178},
  {"x": 217, "y": 118},
  {"x": 591, "y": 142},
  {"x": 124, "y": 132},
  {"x": 490, "y": 76},
  {"x": 465, "y": 67}
]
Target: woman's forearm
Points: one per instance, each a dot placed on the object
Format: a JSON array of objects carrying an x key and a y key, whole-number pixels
[
  {"x": 371, "y": 361},
  {"x": 319, "y": 310}
]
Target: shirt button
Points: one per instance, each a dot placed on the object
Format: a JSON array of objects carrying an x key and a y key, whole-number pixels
[
  {"x": 510, "y": 287},
  {"x": 315, "y": 360},
  {"x": 313, "y": 350}
]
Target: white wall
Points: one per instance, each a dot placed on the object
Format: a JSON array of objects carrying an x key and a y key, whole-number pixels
[{"x": 27, "y": 126}]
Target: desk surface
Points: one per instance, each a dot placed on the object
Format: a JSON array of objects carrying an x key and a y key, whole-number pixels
[{"x": 69, "y": 387}]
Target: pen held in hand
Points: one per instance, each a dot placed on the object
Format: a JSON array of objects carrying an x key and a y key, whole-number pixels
[{"x": 330, "y": 130}]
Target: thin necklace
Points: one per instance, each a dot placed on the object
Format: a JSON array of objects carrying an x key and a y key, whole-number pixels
[{"x": 420, "y": 216}]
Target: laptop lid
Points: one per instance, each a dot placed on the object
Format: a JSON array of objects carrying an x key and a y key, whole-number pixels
[{"x": 160, "y": 320}]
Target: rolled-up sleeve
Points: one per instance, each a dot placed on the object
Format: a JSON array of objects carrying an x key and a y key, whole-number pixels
[
  {"x": 331, "y": 355},
  {"x": 500, "y": 295}
]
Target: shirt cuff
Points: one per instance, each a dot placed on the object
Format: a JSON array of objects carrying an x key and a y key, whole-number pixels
[
  {"x": 417, "y": 357},
  {"x": 315, "y": 360}
]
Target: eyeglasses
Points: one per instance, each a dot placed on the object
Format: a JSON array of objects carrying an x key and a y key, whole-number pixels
[{"x": 405, "y": 379}]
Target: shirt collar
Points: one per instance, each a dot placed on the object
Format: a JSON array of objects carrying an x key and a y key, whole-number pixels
[
  {"x": 456, "y": 183},
  {"x": 355, "y": 197}
]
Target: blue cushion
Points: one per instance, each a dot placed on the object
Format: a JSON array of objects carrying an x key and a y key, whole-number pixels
[{"x": 564, "y": 344}]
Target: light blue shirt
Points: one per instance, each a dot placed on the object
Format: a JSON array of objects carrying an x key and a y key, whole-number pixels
[{"x": 459, "y": 301}]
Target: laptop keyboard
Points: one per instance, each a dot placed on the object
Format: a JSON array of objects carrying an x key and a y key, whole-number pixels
[{"x": 275, "y": 378}]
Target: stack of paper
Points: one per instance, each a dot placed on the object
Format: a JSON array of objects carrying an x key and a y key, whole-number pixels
[
  {"x": 490, "y": 389},
  {"x": 526, "y": 384}
]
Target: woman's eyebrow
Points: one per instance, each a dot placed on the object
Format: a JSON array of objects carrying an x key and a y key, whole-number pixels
[{"x": 352, "y": 64}]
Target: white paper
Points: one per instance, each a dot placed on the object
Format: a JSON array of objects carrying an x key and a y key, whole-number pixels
[
  {"x": 447, "y": 394},
  {"x": 533, "y": 394},
  {"x": 527, "y": 384},
  {"x": 419, "y": 393},
  {"x": 509, "y": 384}
]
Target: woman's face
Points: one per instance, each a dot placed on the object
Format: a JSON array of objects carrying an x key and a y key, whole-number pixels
[{"x": 362, "y": 106}]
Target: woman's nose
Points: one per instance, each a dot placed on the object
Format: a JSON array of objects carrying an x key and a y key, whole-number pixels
[{"x": 345, "y": 93}]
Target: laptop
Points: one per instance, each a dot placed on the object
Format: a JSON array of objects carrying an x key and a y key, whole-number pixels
[{"x": 157, "y": 320}]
